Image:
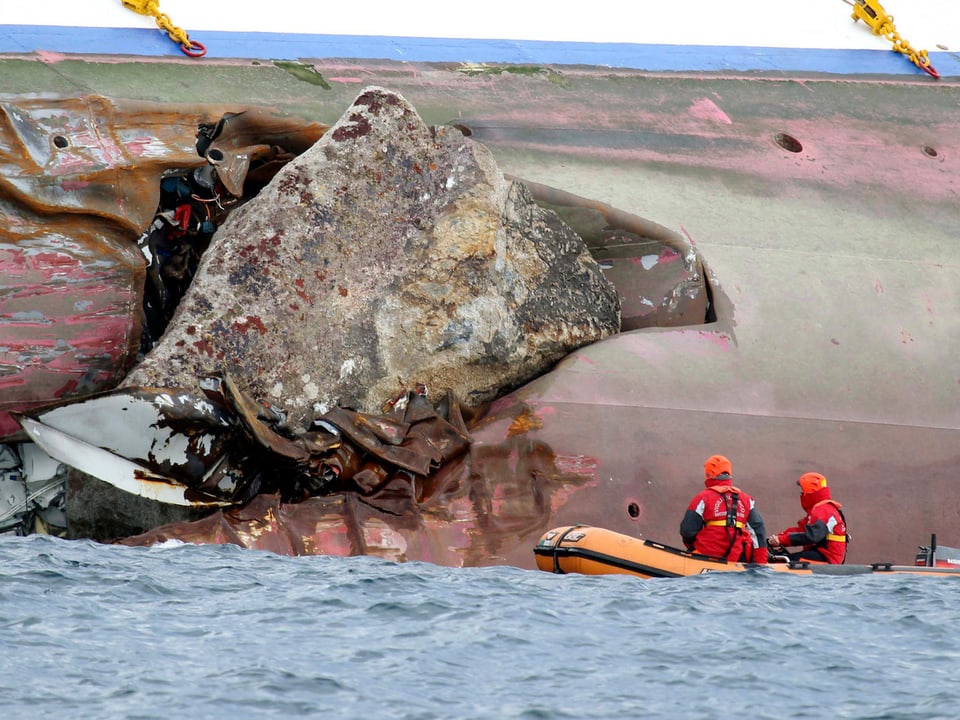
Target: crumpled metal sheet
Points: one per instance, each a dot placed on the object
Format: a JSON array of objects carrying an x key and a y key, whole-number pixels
[
  {"x": 659, "y": 277},
  {"x": 348, "y": 450},
  {"x": 79, "y": 183},
  {"x": 225, "y": 448},
  {"x": 468, "y": 508},
  {"x": 168, "y": 432},
  {"x": 469, "y": 513}
]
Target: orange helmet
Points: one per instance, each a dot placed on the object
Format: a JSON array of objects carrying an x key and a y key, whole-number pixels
[
  {"x": 811, "y": 482},
  {"x": 715, "y": 466}
]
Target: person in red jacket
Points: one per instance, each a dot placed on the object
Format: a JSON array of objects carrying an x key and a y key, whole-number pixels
[
  {"x": 722, "y": 521},
  {"x": 823, "y": 532}
]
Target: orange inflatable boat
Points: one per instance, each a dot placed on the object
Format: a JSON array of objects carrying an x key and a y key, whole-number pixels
[{"x": 595, "y": 551}]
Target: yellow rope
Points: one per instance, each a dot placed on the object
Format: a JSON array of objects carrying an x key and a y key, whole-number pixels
[
  {"x": 871, "y": 12},
  {"x": 178, "y": 35}
]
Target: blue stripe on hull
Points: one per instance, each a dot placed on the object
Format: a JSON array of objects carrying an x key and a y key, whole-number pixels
[{"x": 19, "y": 39}]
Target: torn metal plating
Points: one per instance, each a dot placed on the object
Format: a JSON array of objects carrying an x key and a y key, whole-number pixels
[{"x": 225, "y": 448}]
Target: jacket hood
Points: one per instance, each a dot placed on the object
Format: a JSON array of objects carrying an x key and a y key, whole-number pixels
[
  {"x": 808, "y": 500},
  {"x": 723, "y": 479}
]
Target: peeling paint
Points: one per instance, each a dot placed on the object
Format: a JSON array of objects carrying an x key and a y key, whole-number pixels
[
  {"x": 706, "y": 109},
  {"x": 719, "y": 339},
  {"x": 649, "y": 261}
]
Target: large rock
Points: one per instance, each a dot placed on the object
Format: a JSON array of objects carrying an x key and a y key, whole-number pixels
[{"x": 388, "y": 254}]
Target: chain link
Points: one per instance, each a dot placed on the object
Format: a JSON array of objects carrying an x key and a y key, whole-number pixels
[
  {"x": 873, "y": 14},
  {"x": 178, "y": 35}
]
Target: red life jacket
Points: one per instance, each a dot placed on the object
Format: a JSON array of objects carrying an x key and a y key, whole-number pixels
[
  {"x": 834, "y": 546},
  {"x": 725, "y": 514}
]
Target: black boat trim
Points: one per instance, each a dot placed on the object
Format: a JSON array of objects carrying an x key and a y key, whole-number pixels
[{"x": 602, "y": 558}]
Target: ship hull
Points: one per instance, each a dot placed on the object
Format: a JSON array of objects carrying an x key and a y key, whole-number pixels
[{"x": 825, "y": 207}]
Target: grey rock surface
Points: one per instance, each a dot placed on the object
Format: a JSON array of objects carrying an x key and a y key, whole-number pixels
[{"x": 390, "y": 253}]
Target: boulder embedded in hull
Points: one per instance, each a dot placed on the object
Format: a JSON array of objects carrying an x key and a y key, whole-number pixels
[{"x": 389, "y": 254}]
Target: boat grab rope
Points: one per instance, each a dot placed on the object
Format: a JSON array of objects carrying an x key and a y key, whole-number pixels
[
  {"x": 178, "y": 35},
  {"x": 871, "y": 12}
]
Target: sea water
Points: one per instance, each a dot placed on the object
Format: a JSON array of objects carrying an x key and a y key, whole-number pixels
[{"x": 183, "y": 631}]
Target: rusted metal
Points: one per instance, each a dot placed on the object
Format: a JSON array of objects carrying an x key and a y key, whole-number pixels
[{"x": 80, "y": 183}]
